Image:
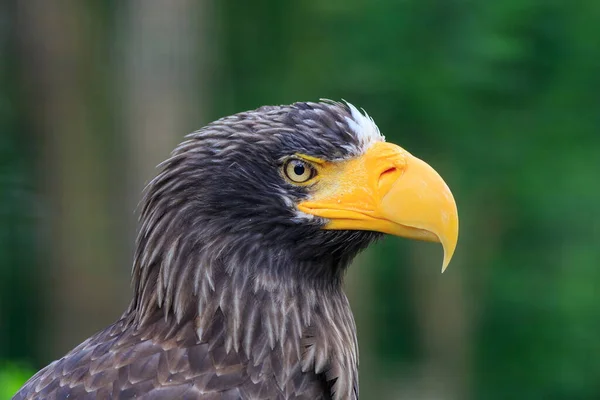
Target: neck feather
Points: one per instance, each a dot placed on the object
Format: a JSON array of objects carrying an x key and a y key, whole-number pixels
[{"x": 264, "y": 305}]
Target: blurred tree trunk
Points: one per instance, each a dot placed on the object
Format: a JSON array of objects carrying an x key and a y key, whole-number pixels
[
  {"x": 91, "y": 176},
  {"x": 359, "y": 289},
  {"x": 81, "y": 270},
  {"x": 443, "y": 323},
  {"x": 165, "y": 73},
  {"x": 442, "y": 320}
]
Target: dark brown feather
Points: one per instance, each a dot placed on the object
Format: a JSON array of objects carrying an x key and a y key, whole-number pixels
[
  {"x": 123, "y": 362},
  {"x": 234, "y": 297}
]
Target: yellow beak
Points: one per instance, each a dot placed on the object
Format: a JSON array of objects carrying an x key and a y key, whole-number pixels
[{"x": 387, "y": 190}]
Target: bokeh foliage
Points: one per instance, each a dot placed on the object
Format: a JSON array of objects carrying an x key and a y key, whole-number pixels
[{"x": 501, "y": 97}]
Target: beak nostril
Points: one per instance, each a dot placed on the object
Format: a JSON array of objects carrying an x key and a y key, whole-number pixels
[
  {"x": 390, "y": 170},
  {"x": 388, "y": 177}
]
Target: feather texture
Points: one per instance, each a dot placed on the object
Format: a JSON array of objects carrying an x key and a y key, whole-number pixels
[{"x": 235, "y": 296}]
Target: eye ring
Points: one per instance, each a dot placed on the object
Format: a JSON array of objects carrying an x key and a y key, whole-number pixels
[{"x": 298, "y": 171}]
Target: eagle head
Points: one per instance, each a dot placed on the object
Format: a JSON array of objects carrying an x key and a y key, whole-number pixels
[{"x": 298, "y": 190}]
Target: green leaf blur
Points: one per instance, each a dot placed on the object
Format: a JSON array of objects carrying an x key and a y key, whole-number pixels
[{"x": 12, "y": 378}]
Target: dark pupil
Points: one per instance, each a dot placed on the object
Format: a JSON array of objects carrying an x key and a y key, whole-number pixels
[{"x": 299, "y": 169}]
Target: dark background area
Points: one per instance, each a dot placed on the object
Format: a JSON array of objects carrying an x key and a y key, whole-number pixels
[{"x": 501, "y": 97}]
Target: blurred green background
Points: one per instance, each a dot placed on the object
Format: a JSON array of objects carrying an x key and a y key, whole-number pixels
[{"x": 501, "y": 97}]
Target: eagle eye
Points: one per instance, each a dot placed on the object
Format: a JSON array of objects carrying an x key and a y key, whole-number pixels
[{"x": 298, "y": 171}]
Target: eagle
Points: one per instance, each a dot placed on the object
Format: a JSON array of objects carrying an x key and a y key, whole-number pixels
[{"x": 244, "y": 237}]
